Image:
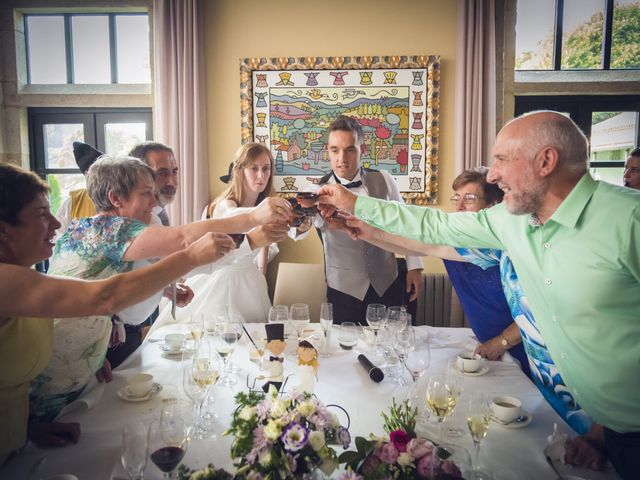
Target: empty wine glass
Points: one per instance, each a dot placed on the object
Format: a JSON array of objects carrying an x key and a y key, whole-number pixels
[
  {"x": 478, "y": 417},
  {"x": 280, "y": 314},
  {"x": 239, "y": 321},
  {"x": 326, "y": 322},
  {"x": 455, "y": 383},
  {"x": 393, "y": 318},
  {"x": 299, "y": 316},
  {"x": 225, "y": 342},
  {"x": 168, "y": 443},
  {"x": 134, "y": 449},
  {"x": 376, "y": 314}
]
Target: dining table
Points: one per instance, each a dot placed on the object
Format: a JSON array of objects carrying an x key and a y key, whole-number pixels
[{"x": 506, "y": 452}]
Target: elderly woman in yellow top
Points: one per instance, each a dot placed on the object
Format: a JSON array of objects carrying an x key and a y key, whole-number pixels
[
  {"x": 117, "y": 239},
  {"x": 26, "y": 296}
]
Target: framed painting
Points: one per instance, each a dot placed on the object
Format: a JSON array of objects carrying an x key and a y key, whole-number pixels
[{"x": 288, "y": 103}]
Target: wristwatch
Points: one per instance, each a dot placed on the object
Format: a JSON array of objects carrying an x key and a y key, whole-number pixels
[{"x": 504, "y": 342}]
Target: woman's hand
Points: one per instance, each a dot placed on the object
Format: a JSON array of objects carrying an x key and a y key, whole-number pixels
[
  {"x": 272, "y": 210},
  {"x": 54, "y": 434},
  {"x": 210, "y": 248},
  {"x": 331, "y": 197}
]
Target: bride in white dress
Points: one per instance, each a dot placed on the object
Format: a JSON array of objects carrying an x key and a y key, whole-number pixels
[{"x": 239, "y": 282}]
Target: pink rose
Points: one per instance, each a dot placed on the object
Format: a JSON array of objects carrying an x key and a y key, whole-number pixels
[
  {"x": 399, "y": 440},
  {"x": 423, "y": 467},
  {"x": 388, "y": 454},
  {"x": 370, "y": 465},
  {"x": 451, "y": 469},
  {"x": 419, "y": 447}
]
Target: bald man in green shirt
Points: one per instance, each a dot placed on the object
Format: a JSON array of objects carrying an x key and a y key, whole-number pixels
[{"x": 575, "y": 243}]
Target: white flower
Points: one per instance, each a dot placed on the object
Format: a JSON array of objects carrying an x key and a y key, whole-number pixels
[
  {"x": 328, "y": 466},
  {"x": 272, "y": 431},
  {"x": 278, "y": 408},
  {"x": 247, "y": 413},
  {"x": 316, "y": 439},
  {"x": 306, "y": 408},
  {"x": 405, "y": 459},
  {"x": 265, "y": 458}
]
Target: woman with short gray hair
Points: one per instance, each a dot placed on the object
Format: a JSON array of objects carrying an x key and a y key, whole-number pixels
[{"x": 117, "y": 239}]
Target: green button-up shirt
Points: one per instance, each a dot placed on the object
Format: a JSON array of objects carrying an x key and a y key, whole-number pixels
[{"x": 581, "y": 273}]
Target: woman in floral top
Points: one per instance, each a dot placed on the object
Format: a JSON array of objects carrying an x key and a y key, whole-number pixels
[{"x": 111, "y": 242}]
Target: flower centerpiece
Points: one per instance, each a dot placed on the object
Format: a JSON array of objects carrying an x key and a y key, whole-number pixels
[
  {"x": 400, "y": 455},
  {"x": 280, "y": 438}
]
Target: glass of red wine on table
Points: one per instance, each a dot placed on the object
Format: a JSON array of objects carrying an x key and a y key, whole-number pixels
[{"x": 168, "y": 441}]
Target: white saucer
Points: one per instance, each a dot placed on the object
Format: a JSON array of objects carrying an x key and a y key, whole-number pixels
[
  {"x": 170, "y": 351},
  {"x": 477, "y": 373},
  {"x": 124, "y": 394},
  {"x": 526, "y": 422}
]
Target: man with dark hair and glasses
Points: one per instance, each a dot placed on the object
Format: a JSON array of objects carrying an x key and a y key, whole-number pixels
[{"x": 631, "y": 176}]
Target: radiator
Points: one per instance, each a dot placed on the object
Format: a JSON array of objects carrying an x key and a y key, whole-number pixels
[{"x": 438, "y": 305}]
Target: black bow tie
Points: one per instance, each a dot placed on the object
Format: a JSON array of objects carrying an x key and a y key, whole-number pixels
[
  {"x": 355, "y": 184},
  {"x": 276, "y": 359}
]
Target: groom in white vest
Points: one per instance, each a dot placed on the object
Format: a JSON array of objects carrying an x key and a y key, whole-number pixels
[{"x": 358, "y": 273}]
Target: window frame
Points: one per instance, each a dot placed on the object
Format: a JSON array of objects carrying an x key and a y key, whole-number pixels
[
  {"x": 68, "y": 36},
  {"x": 93, "y": 120},
  {"x": 607, "y": 39},
  {"x": 580, "y": 109}
]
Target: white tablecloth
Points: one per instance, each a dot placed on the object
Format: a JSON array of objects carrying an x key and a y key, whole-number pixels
[{"x": 508, "y": 453}]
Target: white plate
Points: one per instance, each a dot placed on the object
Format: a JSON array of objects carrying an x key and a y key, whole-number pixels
[
  {"x": 124, "y": 394},
  {"x": 522, "y": 424},
  {"x": 477, "y": 373}
]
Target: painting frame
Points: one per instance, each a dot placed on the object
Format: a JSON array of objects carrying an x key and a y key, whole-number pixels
[{"x": 423, "y": 184}]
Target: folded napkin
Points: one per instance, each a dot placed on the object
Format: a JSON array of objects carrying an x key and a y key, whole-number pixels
[{"x": 89, "y": 398}]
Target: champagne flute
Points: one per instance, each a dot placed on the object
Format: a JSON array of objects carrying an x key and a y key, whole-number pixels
[
  {"x": 440, "y": 400},
  {"x": 134, "y": 449},
  {"x": 455, "y": 382},
  {"x": 326, "y": 322},
  {"x": 196, "y": 326},
  {"x": 168, "y": 443},
  {"x": 376, "y": 314},
  {"x": 299, "y": 316},
  {"x": 478, "y": 422}
]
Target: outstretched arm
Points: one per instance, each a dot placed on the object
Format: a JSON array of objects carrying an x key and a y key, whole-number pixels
[{"x": 25, "y": 292}]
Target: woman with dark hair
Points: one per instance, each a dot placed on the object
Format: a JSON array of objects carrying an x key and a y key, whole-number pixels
[
  {"x": 119, "y": 238},
  {"x": 29, "y": 299}
]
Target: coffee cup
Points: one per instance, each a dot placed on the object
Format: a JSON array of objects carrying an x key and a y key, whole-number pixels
[
  {"x": 506, "y": 409},
  {"x": 140, "y": 384},
  {"x": 469, "y": 362},
  {"x": 174, "y": 341}
]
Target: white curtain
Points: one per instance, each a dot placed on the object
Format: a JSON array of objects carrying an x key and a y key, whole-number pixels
[
  {"x": 475, "y": 84},
  {"x": 180, "y": 100}
]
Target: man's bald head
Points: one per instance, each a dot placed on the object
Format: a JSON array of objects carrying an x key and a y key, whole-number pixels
[{"x": 545, "y": 128}]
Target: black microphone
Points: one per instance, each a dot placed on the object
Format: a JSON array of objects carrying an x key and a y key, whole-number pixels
[{"x": 374, "y": 372}]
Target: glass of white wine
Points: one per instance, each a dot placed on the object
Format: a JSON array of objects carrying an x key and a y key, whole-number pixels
[
  {"x": 455, "y": 383},
  {"x": 196, "y": 326},
  {"x": 440, "y": 400},
  {"x": 326, "y": 322},
  {"x": 478, "y": 422},
  {"x": 225, "y": 342}
]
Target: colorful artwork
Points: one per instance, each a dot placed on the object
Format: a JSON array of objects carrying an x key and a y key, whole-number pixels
[{"x": 289, "y": 103}]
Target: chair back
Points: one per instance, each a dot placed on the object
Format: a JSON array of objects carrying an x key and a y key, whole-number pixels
[{"x": 301, "y": 283}]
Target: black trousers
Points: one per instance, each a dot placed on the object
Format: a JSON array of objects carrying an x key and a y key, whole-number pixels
[
  {"x": 623, "y": 450},
  {"x": 349, "y": 309}
]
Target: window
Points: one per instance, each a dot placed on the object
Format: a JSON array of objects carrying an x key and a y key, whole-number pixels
[
  {"x": 610, "y": 123},
  {"x": 577, "y": 34},
  {"x": 53, "y": 131},
  {"x": 87, "y": 48}
]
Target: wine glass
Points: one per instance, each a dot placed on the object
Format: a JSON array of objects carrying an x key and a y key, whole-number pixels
[
  {"x": 347, "y": 335},
  {"x": 326, "y": 322},
  {"x": 236, "y": 318},
  {"x": 393, "y": 362},
  {"x": 478, "y": 422},
  {"x": 168, "y": 441},
  {"x": 393, "y": 318},
  {"x": 196, "y": 326},
  {"x": 280, "y": 314},
  {"x": 197, "y": 379},
  {"x": 440, "y": 400},
  {"x": 376, "y": 314},
  {"x": 417, "y": 362},
  {"x": 299, "y": 316},
  {"x": 455, "y": 382},
  {"x": 134, "y": 449},
  {"x": 225, "y": 342}
]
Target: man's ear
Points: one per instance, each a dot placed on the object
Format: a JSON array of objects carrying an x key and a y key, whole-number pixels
[{"x": 547, "y": 161}]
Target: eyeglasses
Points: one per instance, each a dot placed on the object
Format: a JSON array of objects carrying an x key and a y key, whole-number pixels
[{"x": 467, "y": 198}]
